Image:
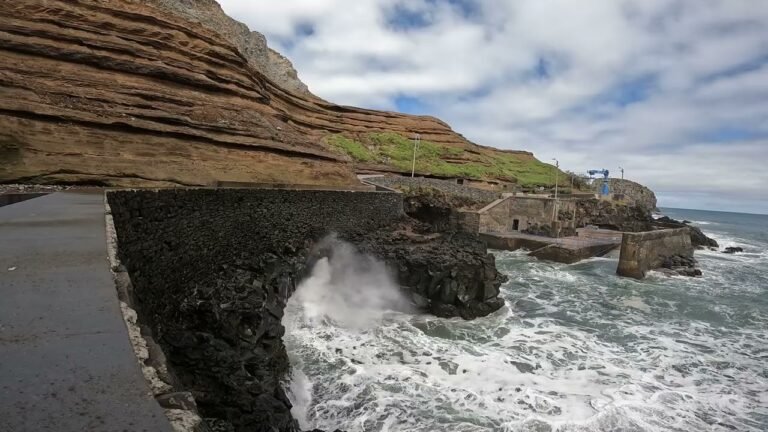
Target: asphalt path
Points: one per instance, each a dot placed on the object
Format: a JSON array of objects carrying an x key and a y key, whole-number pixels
[{"x": 66, "y": 363}]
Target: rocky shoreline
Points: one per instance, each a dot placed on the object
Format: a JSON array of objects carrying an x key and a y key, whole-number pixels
[
  {"x": 216, "y": 311},
  {"x": 699, "y": 240}
]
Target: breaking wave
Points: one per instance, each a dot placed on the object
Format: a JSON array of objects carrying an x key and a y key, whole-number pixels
[{"x": 576, "y": 349}]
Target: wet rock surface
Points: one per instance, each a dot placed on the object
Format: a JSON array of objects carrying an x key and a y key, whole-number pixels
[
  {"x": 733, "y": 250},
  {"x": 681, "y": 265},
  {"x": 452, "y": 272},
  {"x": 698, "y": 239},
  {"x": 224, "y": 341}
]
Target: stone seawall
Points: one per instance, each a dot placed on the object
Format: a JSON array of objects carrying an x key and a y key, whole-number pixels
[
  {"x": 213, "y": 269},
  {"x": 645, "y": 251},
  {"x": 191, "y": 233},
  {"x": 450, "y": 188}
]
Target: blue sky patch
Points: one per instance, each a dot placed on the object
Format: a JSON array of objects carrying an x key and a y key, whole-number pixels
[
  {"x": 411, "y": 105},
  {"x": 404, "y": 19},
  {"x": 630, "y": 92},
  {"x": 303, "y": 30},
  {"x": 466, "y": 8},
  {"x": 745, "y": 67},
  {"x": 728, "y": 133}
]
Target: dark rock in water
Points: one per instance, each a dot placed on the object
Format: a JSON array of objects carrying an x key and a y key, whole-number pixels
[
  {"x": 524, "y": 367},
  {"x": 690, "y": 272},
  {"x": 680, "y": 265},
  {"x": 679, "y": 261},
  {"x": 698, "y": 238},
  {"x": 452, "y": 271},
  {"x": 733, "y": 249}
]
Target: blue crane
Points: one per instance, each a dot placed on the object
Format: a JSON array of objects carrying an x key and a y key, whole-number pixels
[{"x": 604, "y": 190}]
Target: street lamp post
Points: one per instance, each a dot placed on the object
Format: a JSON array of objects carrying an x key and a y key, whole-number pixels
[
  {"x": 557, "y": 168},
  {"x": 416, "y": 140}
]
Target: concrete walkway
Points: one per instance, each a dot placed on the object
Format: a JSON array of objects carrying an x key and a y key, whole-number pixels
[{"x": 66, "y": 363}]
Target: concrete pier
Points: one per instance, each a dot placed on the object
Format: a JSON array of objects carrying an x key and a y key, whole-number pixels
[
  {"x": 66, "y": 363},
  {"x": 587, "y": 244},
  {"x": 645, "y": 251}
]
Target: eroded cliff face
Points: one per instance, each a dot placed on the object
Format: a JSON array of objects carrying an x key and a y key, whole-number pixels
[
  {"x": 166, "y": 92},
  {"x": 635, "y": 194}
]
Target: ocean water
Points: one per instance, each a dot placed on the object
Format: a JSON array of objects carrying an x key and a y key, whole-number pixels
[{"x": 575, "y": 349}]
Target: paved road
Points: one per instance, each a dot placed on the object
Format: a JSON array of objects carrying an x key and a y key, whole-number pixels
[{"x": 66, "y": 363}]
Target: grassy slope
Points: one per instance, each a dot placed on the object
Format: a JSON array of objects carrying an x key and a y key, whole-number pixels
[{"x": 396, "y": 150}]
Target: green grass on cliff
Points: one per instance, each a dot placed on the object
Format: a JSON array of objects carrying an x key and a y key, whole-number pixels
[
  {"x": 354, "y": 149},
  {"x": 393, "y": 149}
]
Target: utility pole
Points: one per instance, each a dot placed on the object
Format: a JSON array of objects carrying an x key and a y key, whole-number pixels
[
  {"x": 416, "y": 141},
  {"x": 557, "y": 168},
  {"x": 622, "y": 173}
]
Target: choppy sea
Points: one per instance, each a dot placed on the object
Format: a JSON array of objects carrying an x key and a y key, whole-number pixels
[{"x": 576, "y": 349}]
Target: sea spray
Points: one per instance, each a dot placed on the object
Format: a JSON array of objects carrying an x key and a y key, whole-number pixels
[
  {"x": 347, "y": 288},
  {"x": 578, "y": 350}
]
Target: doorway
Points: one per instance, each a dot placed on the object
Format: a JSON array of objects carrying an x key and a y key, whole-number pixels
[{"x": 516, "y": 225}]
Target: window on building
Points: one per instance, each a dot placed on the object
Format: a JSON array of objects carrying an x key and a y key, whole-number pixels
[{"x": 516, "y": 225}]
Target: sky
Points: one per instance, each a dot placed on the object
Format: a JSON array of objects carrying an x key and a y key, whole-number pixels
[{"x": 673, "y": 91}]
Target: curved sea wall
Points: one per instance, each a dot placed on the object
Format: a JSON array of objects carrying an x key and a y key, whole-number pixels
[{"x": 212, "y": 270}]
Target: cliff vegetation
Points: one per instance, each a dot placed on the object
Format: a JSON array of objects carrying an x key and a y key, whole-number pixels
[{"x": 175, "y": 92}]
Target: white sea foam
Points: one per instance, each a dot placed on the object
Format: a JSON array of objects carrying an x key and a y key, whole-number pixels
[
  {"x": 348, "y": 288},
  {"x": 695, "y": 222},
  {"x": 577, "y": 349}
]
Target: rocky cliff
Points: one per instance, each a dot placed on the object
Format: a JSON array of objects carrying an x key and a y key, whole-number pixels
[
  {"x": 174, "y": 92},
  {"x": 615, "y": 216},
  {"x": 634, "y": 194}
]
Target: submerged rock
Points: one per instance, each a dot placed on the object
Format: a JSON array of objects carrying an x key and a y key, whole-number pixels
[{"x": 733, "y": 250}]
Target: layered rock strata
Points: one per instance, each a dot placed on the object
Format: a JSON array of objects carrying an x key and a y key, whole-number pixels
[
  {"x": 166, "y": 93},
  {"x": 212, "y": 270}
]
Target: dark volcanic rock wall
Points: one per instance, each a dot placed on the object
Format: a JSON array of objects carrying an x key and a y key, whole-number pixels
[{"x": 212, "y": 270}]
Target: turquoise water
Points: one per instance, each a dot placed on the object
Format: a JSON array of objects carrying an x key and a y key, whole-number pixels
[{"x": 575, "y": 349}]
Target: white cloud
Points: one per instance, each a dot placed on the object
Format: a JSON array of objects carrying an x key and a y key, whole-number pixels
[{"x": 697, "y": 71}]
